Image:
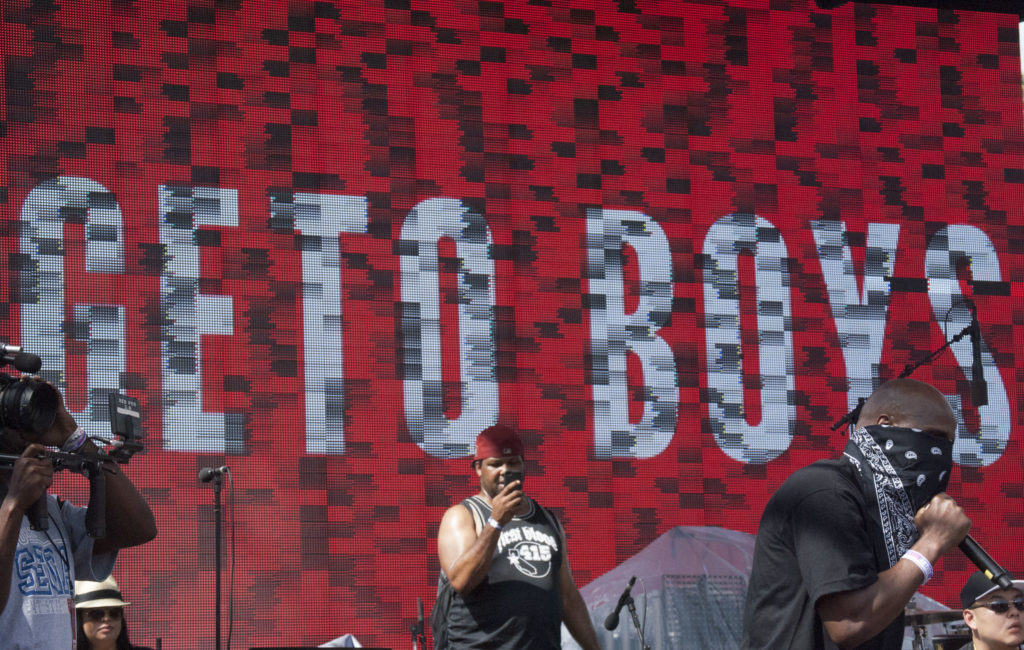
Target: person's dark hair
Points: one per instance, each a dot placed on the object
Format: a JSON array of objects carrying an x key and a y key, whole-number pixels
[{"x": 122, "y": 639}]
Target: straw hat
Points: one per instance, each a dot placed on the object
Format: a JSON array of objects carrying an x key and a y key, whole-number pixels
[{"x": 98, "y": 594}]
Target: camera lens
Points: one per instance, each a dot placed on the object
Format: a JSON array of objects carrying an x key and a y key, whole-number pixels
[{"x": 28, "y": 404}]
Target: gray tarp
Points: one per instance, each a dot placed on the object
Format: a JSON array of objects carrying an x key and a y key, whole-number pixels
[{"x": 693, "y": 581}]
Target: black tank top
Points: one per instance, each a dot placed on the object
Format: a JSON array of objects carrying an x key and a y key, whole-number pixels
[{"x": 518, "y": 605}]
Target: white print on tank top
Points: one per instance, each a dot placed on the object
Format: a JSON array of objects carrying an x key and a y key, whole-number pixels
[{"x": 529, "y": 550}]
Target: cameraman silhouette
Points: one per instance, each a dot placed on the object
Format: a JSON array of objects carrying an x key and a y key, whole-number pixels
[{"x": 38, "y": 568}]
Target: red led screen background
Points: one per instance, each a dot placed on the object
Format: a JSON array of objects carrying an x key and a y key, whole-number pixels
[{"x": 324, "y": 243}]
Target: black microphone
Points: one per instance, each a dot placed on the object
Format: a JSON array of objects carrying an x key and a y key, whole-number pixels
[
  {"x": 979, "y": 389},
  {"x": 21, "y": 360},
  {"x": 612, "y": 621},
  {"x": 984, "y": 561},
  {"x": 207, "y": 474}
]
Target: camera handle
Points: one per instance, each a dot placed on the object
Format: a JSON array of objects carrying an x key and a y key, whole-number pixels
[
  {"x": 38, "y": 516},
  {"x": 88, "y": 465},
  {"x": 96, "y": 514}
]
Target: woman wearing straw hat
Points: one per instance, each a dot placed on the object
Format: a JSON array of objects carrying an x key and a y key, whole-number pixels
[{"x": 101, "y": 621}]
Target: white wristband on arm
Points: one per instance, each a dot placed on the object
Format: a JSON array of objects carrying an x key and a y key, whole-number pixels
[
  {"x": 74, "y": 441},
  {"x": 491, "y": 521},
  {"x": 921, "y": 562}
]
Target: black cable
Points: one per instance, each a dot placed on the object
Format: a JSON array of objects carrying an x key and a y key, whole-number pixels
[
  {"x": 231, "y": 565},
  {"x": 63, "y": 556}
]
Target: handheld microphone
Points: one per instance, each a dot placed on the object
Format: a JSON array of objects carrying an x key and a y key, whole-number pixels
[
  {"x": 979, "y": 388},
  {"x": 23, "y": 361},
  {"x": 984, "y": 561},
  {"x": 207, "y": 474},
  {"x": 612, "y": 621}
]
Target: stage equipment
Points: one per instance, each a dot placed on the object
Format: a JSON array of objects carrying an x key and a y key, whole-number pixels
[
  {"x": 919, "y": 620},
  {"x": 626, "y": 599},
  {"x": 914, "y": 617}
]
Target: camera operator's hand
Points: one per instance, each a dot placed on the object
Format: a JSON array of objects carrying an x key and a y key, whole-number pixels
[{"x": 30, "y": 478}]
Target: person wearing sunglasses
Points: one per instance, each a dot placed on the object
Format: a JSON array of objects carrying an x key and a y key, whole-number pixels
[
  {"x": 995, "y": 616},
  {"x": 101, "y": 621}
]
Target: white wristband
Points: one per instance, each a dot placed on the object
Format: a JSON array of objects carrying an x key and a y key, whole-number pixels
[
  {"x": 74, "y": 441},
  {"x": 491, "y": 521},
  {"x": 921, "y": 562}
]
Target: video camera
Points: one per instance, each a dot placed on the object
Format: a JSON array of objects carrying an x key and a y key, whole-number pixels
[{"x": 29, "y": 405}]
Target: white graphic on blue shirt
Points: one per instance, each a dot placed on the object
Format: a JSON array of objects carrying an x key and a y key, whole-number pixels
[{"x": 40, "y": 571}]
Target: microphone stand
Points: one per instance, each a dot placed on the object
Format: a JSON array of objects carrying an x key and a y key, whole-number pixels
[
  {"x": 636, "y": 622},
  {"x": 419, "y": 639},
  {"x": 218, "y": 482}
]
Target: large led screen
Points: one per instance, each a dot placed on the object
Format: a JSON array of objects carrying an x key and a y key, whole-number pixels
[{"x": 326, "y": 243}]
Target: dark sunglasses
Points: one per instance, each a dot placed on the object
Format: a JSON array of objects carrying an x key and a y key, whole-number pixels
[
  {"x": 96, "y": 614},
  {"x": 1003, "y": 606}
]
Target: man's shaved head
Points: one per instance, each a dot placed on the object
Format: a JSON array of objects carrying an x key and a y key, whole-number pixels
[{"x": 909, "y": 403}]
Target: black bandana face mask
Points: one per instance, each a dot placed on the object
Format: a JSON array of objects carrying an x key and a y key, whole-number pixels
[
  {"x": 922, "y": 462},
  {"x": 899, "y": 470}
]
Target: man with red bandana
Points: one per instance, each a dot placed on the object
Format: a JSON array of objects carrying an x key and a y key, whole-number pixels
[
  {"x": 995, "y": 616},
  {"x": 505, "y": 559}
]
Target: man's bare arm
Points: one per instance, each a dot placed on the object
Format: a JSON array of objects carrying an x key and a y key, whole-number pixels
[
  {"x": 129, "y": 521},
  {"x": 465, "y": 556},
  {"x": 574, "y": 610},
  {"x": 853, "y": 617},
  {"x": 27, "y": 483}
]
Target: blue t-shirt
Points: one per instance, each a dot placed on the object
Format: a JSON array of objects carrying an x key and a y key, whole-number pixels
[{"x": 40, "y": 612}]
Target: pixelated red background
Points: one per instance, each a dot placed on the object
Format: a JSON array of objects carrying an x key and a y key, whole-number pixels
[{"x": 532, "y": 112}]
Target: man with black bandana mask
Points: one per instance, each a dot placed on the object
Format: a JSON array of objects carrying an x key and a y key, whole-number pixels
[{"x": 844, "y": 544}]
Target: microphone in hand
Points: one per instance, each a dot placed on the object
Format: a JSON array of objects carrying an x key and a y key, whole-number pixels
[
  {"x": 984, "y": 561},
  {"x": 612, "y": 621}
]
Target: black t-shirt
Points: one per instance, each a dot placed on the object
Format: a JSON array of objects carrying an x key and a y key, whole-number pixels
[
  {"x": 815, "y": 538},
  {"x": 518, "y": 606}
]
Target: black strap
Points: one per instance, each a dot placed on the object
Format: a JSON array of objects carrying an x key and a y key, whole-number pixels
[{"x": 99, "y": 594}]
